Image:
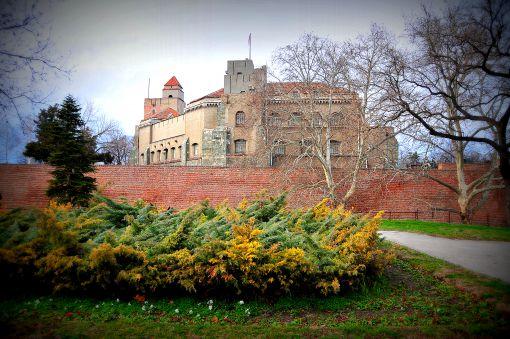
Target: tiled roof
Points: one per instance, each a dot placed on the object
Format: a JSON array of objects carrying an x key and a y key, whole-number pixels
[
  {"x": 279, "y": 88},
  {"x": 166, "y": 114},
  {"x": 215, "y": 94},
  {"x": 173, "y": 82}
]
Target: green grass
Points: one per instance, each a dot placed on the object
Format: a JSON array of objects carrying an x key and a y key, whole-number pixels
[
  {"x": 418, "y": 296},
  {"x": 454, "y": 231}
]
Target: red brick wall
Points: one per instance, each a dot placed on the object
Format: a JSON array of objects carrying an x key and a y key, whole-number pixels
[{"x": 178, "y": 187}]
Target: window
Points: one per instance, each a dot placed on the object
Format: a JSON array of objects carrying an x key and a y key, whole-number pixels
[
  {"x": 334, "y": 147},
  {"x": 179, "y": 154},
  {"x": 306, "y": 147},
  {"x": 295, "y": 94},
  {"x": 336, "y": 119},
  {"x": 152, "y": 157},
  {"x": 194, "y": 149},
  {"x": 317, "y": 120},
  {"x": 295, "y": 119},
  {"x": 240, "y": 118},
  {"x": 142, "y": 162},
  {"x": 273, "y": 120},
  {"x": 316, "y": 93},
  {"x": 165, "y": 154},
  {"x": 170, "y": 96},
  {"x": 172, "y": 153},
  {"x": 279, "y": 148},
  {"x": 159, "y": 155},
  {"x": 240, "y": 146}
]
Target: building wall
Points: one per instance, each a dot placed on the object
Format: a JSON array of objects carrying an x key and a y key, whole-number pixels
[{"x": 178, "y": 187}]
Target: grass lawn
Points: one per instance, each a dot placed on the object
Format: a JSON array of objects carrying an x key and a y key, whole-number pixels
[
  {"x": 454, "y": 231},
  {"x": 418, "y": 296}
]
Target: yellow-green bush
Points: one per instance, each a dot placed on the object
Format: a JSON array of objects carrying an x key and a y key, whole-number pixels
[{"x": 259, "y": 247}]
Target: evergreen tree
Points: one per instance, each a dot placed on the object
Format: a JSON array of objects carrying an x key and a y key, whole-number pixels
[{"x": 62, "y": 141}]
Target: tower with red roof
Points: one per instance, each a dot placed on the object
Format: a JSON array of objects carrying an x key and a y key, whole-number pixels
[{"x": 171, "y": 104}]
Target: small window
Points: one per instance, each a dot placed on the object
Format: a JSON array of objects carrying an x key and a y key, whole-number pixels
[
  {"x": 159, "y": 155},
  {"x": 295, "y": 94},
  {"x": 316, "y": 120},
  {"x": 170, "y": 96},
  {"x": 279, "y": 148},
  {"x": 179, "y": 152},
  {"x": 240, "y": 118},
  {"x": 172, "y": 153},
  {"x": 316, "y": 93},
  {"x": 194, "y": 149},
  {"x": 306, "y": 147},
  {"x": 295, "y": 119},
  {"x": 142, "y": 162},
  {"x": 165, "y": 154},
  {"x": 273, "y": 120},
  {"x": 240, "y": 146},
  {"x": 152, "y": 157},
  {"x": 334, "y": 147},
  {"x": 336, "y": 119}
]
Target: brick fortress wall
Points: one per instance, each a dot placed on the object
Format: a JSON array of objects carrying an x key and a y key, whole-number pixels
[{"x": 402, "y": 196}]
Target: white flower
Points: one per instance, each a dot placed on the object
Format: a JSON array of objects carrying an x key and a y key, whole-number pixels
[
  {"x": 241, "y": 302},
  {"x": 176, "y": 310},
  {"x": 97, "y": 306},
  {"x": 51, "y": 299},
  {"x": 129, "y": 303},
  {"x": 146, "y": 302},
  {"x": 247, "y": 310},
  {"x": 210, "y": 302},
  {"x": 143, "y": 308},
  {"x": 190, "y": 311},
  {"x": 152, "y": 306},
  {"x": 210, "y": 307},
  {"x": 117, "y": 300}
]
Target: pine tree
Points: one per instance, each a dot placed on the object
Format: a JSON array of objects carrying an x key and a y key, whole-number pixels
[{"x": 62, "y": 141}]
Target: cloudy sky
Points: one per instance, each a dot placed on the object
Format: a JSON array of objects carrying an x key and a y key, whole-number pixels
[{"x": 114, "y": 47}]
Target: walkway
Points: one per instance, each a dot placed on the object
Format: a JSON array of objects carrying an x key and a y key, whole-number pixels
[{"x": 491, "y": 258}]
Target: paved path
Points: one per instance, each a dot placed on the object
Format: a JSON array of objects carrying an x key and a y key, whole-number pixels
[{"x": 491, "y": 258}]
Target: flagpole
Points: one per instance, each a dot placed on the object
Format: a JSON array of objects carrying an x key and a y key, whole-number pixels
[{"x": 249, "y": 43}]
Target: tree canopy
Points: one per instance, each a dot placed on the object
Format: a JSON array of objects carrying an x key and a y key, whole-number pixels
[{"x": 63, "y": 142}]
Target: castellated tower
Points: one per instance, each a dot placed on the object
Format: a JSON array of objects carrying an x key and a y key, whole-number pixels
[{"x": 171, "y": 103}]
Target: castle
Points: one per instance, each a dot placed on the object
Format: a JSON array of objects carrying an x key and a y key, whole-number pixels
[{"x": 251, "y": 122}]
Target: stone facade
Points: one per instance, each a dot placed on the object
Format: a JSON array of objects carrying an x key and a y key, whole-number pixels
[{"x": 254, "y": 123}]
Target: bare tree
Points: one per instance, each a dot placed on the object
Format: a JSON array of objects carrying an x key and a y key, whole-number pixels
[
  {"x": 456, "y": 84},
  {"x": 26, "y": 59},
  {"x": 331, "y": 93},
  {"x": 119, "y": 147}
]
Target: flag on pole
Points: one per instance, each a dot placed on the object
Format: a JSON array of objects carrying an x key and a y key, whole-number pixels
[{"x": 249, "y": 44}]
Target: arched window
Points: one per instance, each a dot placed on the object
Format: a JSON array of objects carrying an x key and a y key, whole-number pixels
[
  {"x": 295, "y": 119},
  {"x": 172, "y": 153},
  {"x": 336, "y": 119},
  {"x": 165, "y": 154},
  {"x": 334, "y": 147},
  {"x": 159, "y": 155},
  {"x": 152, "y": 157},
  {"x": 240, "y": 146},
  {"x": 142, "y": 162},
  {"x": 170, "y": 96},
  {"x": 240, "y": 118},
  {"x": 179, "y": 153},
  {"x": 273, "y": 120},
  {"x": 295, "y": 94},
  {"x": 194, "y": 150}
]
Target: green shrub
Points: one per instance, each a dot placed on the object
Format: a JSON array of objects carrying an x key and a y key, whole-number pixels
[{"x": 260, "y": 248}]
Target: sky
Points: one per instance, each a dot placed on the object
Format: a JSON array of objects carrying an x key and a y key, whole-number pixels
[{"x": 114, "y": 47}]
